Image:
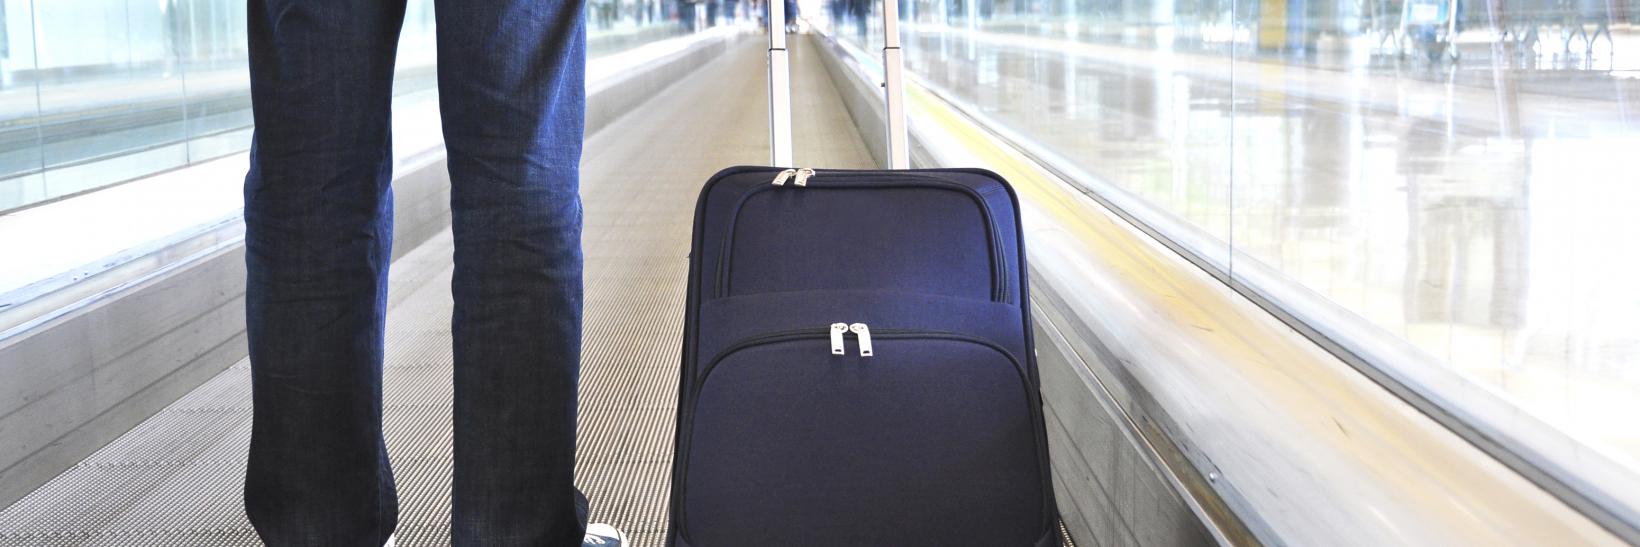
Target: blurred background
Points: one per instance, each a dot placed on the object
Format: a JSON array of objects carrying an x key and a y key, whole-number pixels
[{"x": 1441, "y": 189}]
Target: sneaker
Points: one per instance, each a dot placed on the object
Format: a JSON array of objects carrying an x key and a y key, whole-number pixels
[{"x": 604, "y": 535}]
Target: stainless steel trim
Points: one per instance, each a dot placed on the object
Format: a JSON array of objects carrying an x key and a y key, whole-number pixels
[
  {"x": 780, "y": 89},
  {"x": 899, "y": 152}
]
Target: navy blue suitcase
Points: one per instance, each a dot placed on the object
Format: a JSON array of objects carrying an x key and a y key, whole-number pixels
[
  {"x": 857, "y": 357},
  {"x": 858, "y": 365}
]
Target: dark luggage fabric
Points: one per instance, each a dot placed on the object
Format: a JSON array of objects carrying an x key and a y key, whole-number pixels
[{"x": 793, "y": 430}]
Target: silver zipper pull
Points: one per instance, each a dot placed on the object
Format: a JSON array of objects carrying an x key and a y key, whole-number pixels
[
  {"x": 780, "y": 179},
  {"x": 803, "y": 174},
  {"x": 864, "y": 333},
  {"x": 837, "y": 331}
]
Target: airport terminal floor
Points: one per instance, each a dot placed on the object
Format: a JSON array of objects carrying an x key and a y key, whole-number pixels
[{"x": 1301, "y": 272}]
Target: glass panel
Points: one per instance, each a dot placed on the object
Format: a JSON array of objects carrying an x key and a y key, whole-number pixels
[
  {"x": 111, "y": 90},
  {"x": 1129, "y": 97},
  {"x": 1440, "y": 184},
  {"x": 1453, "y": 174},
  {"x": 96, "y": 92},
  {"x": 217, "y": 71},
  {"x": 416, "y": 126},
  {"x": 20, "y": 160},
  {"x": 616, "y": 25}
]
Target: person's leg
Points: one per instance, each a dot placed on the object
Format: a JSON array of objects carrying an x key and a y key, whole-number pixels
[
  {"x": 512, "y": 98},
  {"x": 318, "y": 234}
]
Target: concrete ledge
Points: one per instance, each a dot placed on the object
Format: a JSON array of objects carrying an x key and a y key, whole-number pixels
[
  {"x": 77, "y": 382},
  {"x": 1114, "y": 483},
  {"x": 87, "y": 371}
]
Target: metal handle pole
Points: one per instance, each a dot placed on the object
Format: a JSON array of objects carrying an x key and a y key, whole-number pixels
[
  {"x": 780, "y": 91},
  {"x": 899, "y": 154}
]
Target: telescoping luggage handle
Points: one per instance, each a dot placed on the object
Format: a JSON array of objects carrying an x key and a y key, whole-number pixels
[{"x": 780, "y": 94}]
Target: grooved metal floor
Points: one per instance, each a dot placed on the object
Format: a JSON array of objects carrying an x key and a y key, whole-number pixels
[{"x": 175, "y": 479}]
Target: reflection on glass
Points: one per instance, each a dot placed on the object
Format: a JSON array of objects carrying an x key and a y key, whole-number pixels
[
  {"x": 111, "y": 90},
  {"x": 1394, "y": 160},
  {"x": 20, "y": 160},
  {"x": 1451, "y": 175},
  {"x": 216, "y": 69},
  {"x": 97, "y": 92},
  {"x": 614, "y": 25}
]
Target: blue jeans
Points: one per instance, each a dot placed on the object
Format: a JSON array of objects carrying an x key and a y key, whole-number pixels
[{"x": 318, "y": 218}]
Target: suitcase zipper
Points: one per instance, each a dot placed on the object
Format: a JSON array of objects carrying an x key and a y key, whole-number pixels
[
  {"x": 840, "y": 330},
  {"x": 802, "y": 175},
  {"x": 781, "y": 177},
  {"x": 864, "y": 334},
  {"x": 837, "y": 332},
  {"x": 999, "y": 269}
]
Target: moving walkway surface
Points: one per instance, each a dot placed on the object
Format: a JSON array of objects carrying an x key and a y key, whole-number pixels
[{"x": 176, "y": 478}]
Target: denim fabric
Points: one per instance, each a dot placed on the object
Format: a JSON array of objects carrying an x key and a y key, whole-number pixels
[{"x": 318, "y": 216}]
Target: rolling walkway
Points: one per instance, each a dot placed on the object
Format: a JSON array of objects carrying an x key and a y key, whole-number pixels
[{"x": 175, "y": 480}]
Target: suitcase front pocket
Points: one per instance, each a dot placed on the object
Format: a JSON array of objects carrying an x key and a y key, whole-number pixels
[
  {"x": 905, "y": 437},
  {"x": 903, "y": 232}
]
